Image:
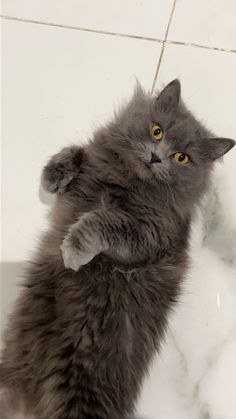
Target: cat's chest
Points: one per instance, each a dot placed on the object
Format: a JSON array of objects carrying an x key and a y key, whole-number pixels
[{"x": 122, "y": 305}]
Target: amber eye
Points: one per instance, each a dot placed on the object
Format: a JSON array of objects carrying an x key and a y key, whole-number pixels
[
  {"x": 181, "y": 158},
  {"x": 157, "y": 132}
]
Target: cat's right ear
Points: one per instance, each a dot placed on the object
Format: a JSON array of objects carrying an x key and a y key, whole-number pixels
[
  {"x": 215, "y": 148},
  {"x": 168, "y": 99}
]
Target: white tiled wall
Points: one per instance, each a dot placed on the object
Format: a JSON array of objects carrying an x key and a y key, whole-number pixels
[{"x": 67, "y": 63}]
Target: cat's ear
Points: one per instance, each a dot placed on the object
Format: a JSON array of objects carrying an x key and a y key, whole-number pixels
[
  {"x": 169, "y": 98},
  {"x": 214, "y": 148}
]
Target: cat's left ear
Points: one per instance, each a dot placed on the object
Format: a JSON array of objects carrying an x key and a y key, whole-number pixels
[
  {"x": 214, "y": 148},
  {"x": 169, "y": 98}
]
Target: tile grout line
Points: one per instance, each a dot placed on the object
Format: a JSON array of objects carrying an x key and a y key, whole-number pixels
[
  {"x": 163, "y": 47},
  {"x": 192, "y": 44},
  {"x": 77, "y": 28},
  {"x": 157, "y": 68},
  {"x": 123, "y": 35}
]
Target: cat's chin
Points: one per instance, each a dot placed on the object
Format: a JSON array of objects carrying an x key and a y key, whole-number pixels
[
  {"x": 143, "y": 170},
  {"x": 155, "y": 173},
  {"x": 160, "y": 174}
]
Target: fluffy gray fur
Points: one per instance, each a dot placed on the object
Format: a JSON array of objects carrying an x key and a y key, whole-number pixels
[{"x": 96, "y": 297}]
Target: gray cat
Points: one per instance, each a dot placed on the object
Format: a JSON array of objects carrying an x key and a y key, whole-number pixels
[{"x": 96, "y": 297}]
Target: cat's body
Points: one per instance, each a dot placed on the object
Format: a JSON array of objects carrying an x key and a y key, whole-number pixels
[
  {"x": 80, "y": 341},
  {"x": 96, "y": 328}
]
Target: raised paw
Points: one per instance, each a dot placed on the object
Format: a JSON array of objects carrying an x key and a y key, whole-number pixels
[
  {"x": 61, "y": 169},
  {"x": 75, "y": 257}
]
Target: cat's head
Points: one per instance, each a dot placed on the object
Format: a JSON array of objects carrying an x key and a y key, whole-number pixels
[{"x": 158, "y": 140}]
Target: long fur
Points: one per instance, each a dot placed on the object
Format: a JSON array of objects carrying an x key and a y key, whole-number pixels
[{"x": 80, "y": 340}]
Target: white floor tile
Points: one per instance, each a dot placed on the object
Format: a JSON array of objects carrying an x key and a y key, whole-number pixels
[
  {"x": 210, "y": 23},
  {"x": 195, "y": 372},
  {"x": 210, "y": 92},
  {"x": 144, "y": 18},
  {"x": 58, "y": 85}
]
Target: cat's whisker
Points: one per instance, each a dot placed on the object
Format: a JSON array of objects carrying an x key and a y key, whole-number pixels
[{"x": 172, "y": 194}]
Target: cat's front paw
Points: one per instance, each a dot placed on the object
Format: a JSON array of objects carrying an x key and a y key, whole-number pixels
[
  {"x": 61, "y": 169},
  {"x": 74, "y": 257}
]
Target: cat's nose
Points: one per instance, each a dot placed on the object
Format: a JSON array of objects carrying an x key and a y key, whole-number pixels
[{"x": 155, "y": 158}]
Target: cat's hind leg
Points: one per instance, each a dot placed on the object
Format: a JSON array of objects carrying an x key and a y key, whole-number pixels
[{"x": 12, "y": 405}]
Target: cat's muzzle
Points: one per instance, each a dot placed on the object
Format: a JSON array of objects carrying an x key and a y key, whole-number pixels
[{"x": 155, "y": 158}]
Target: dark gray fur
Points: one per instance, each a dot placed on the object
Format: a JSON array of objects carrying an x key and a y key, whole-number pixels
[{"x": 80, "y": 340}]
